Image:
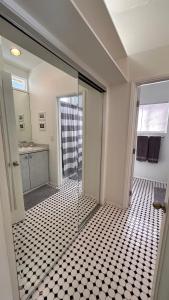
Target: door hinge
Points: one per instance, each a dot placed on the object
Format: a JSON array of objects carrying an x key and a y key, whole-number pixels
[
  {"x": 137, "y": 103},
  {"x": 134, "y": 150},
  {"x": 130, "y": 193}
]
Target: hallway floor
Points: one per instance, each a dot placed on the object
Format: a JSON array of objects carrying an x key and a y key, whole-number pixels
[
  {"x": 47, "y": 229},
  {"x": 113, "y": 257}
]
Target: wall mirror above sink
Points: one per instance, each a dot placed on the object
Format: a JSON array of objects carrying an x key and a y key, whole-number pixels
[{"x": 52, "y": 127}]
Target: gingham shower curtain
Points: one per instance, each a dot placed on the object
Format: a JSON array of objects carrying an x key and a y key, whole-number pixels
[{"x": 71, "y": 138}]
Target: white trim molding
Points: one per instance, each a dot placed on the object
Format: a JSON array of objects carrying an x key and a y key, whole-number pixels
[{"x": 130, "y": 144}]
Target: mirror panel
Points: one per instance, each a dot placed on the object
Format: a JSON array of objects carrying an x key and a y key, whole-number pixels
[
  {"x": 55, "y": 137},
  {"x": 49, "y": 221}
]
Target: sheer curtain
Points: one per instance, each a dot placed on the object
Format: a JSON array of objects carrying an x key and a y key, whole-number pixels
[{"x": 153, "y": 118}]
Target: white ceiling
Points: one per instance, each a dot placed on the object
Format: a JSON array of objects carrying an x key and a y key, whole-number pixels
[
  {"x": 141, "y": 24},
  {"x": 60, "y": 23},
  {"x": 26, "y": 60}
]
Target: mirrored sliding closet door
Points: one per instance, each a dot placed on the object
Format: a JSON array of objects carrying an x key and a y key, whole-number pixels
[
  {"x": 39, "y": 110},
  {"x": 89, "y": 149},
  {"x": 52, "y": 139}
]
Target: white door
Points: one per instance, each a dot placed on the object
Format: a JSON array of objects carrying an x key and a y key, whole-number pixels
[
  {"x": 8, "y": 273},
  {"x": 11, "y": 149}
]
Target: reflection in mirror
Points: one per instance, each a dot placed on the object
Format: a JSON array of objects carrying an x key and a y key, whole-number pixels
[
  {"x": 22, "y": 115},
  {"x": 90, "y": 137},
  {"x": 43, "y": 179},
  {"x": 70, "y": 108}
]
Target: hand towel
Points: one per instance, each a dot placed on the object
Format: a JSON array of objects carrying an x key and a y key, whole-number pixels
[
  {"x": 154, "y": 143},
  {"x": 142, "y": 148}
]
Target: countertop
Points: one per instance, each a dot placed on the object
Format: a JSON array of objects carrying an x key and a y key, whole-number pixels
[{"x": 37, "y": 148}]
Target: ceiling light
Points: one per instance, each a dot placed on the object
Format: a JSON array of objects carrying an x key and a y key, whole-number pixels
[{"x": 15, "y": 52}]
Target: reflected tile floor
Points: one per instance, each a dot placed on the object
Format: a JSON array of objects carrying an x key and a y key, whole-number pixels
[
  {"x": 46, "y": 231},
  {"x": 113, "y": 257}
]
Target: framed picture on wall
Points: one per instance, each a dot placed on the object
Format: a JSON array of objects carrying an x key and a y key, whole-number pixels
[
  {"x": 42, "y": 126},
  {"x": 21, "y": 118},
  {"x": 22, "y": 126},
  {"x": 42, "y": 116}
]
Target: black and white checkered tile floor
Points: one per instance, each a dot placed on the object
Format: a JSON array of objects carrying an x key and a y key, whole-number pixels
[
  {"x": 46, "y": 231},
  {"x": 113, "y": 257}
]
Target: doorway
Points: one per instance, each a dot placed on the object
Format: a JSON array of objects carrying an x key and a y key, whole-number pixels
[
  {"x": 150, "y": 165},
  {"x": 152, "y": 141}
]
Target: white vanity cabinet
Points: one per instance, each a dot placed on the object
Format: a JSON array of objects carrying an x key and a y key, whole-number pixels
[
  {"x": 38, "y": 166},
  {"x": 34, "y": 169},
  {"x": 25, "y": 172}
]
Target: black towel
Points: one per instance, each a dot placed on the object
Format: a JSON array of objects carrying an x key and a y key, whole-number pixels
[
  {"x": 154, "y": 143},
  {"x": 142, "y": 148}
]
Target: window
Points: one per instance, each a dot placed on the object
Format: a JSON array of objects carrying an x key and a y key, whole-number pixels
[
  {"x": 19, "y": 83},
  {"x": 75, "y": 100},
  {"x": 153, "y": 118}
]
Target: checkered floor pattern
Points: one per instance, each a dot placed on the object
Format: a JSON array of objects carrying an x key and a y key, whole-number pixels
[
  {"x": 46, "y": 231},
  {"x": 113, "y": 257}
]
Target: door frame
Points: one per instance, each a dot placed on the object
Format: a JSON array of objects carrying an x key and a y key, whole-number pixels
[
  {"x": 58, "y": 142},
  {"x": 132, "y": 131},
  {"x": 130, "y": 157}
]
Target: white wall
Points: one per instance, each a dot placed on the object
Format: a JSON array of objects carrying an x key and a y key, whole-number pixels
[
  {"x": 46, "y": 83},
  {"x": 148, "y": 65},
  {"x": 15, "y": 70},
  {"x": 92, "y": 140},
  {"x": 118, "y": 102},
  {"x": 21, "y": 101},
  {"x": 155, "y": 93}
]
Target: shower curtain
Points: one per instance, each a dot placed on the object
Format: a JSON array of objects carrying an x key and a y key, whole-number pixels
[{"x": 71, "y": 139}]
